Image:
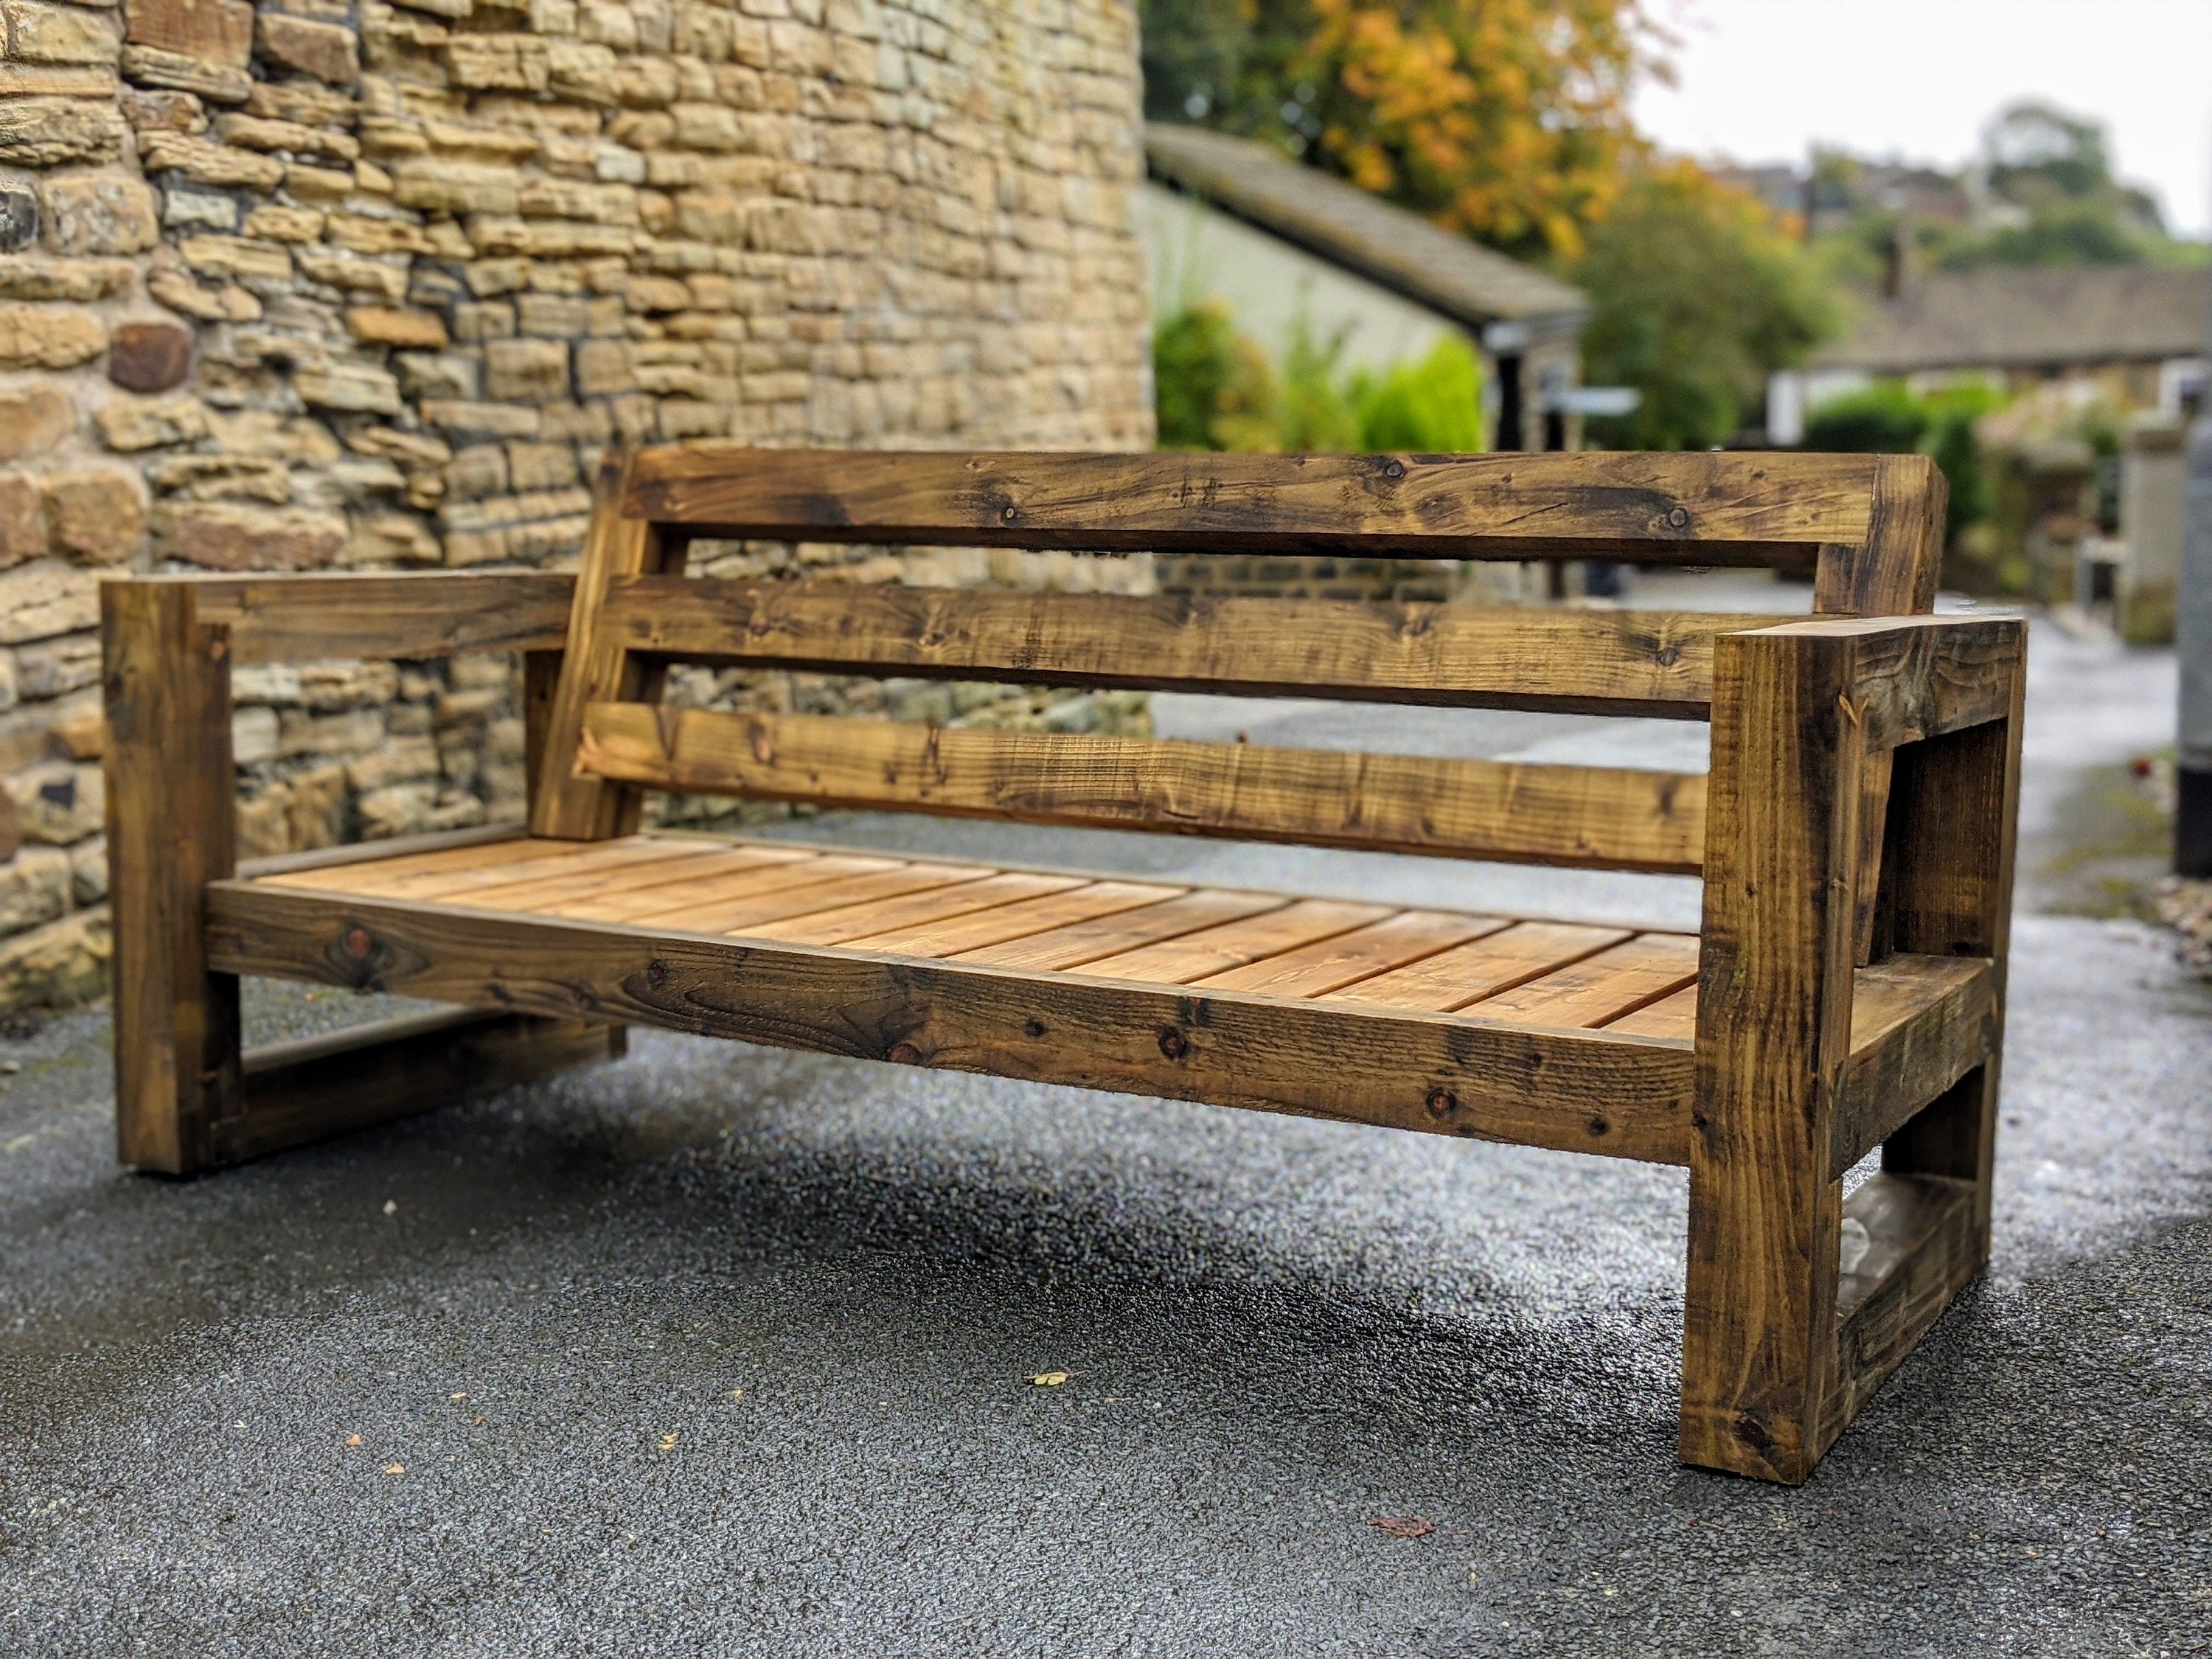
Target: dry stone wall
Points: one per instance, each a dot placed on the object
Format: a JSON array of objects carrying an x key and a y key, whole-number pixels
[{"x": 326, "y": 285}]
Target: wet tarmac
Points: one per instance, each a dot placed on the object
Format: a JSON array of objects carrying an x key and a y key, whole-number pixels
[{"x": 727, "y": 1350}]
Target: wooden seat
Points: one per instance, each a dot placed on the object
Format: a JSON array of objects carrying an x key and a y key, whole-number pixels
[{"x": 1843, "y": 994}]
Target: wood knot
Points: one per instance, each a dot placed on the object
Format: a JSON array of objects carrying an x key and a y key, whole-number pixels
[
  {"x": 1678, "y": 517},
  {"x": 1598, "y": 1125},
  {"x": 1173, "y": 1043},
  {"x": 1442, "y": 1102},
  {"x": 904, "y": 1053},
  {"x": 1396, "y": 470},
  {"x": 1032, "y": 1028},
  {"x": 656, "y": 973},
  {"x": 1753, "y": 1432},
  {"x": 358, "y": 942}
]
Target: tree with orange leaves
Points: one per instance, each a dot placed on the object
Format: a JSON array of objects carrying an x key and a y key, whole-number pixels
[{"x": 1505, "y": 119}]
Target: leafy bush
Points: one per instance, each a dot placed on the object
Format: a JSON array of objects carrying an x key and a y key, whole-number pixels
[
  {"x": 1887, "y": 419},
  {"x": 1212, "y": 385},
  {"x": 1432, "y": 407}
]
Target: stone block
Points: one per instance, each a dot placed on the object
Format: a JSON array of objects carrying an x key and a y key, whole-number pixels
[
  {"x": 421, "y": 330},
  {"x": 541, "y": 465},
  {"x": 390, "y": 538},
  {"x": 269, "y": 132},
  {"x": 207, "y": 162},
  {"x": 56, "y": 34},
  {"x": 58, "y": 802},
  {"x": 97, "y": 213},
  {"x": 88, "y": 871},
  {"x": 162, "y": 111},
  {"x": 34, "y": 887},
  {"x": 327, "y": 686},
  {"x": 131, "y": 427},
  {"x": 96, "y": 517},
  {"x": 19, "y": 217},
  {"x": 225, "y": 477},
  {"x": 527, "y": 371},
  {"x": 224, "y": 536},
  {"x": 48, "y": 336},
  {"x": 354, "y": 388},
  {"x": 238, "y": 257},
  {"x": 33, "y": 277},
  {"x": 329, "y": 52},
  {"x": 54, "y": 668},
  {"x": 45, "y": 597},
  {"x": 355, "y": 731},
  {"x": 22, "y": 519},
  {"x": 436, "y": 185},
  {"x": 59, "y": 966},
  {"x": 404, "y": 760},
  {"x": 286, "y": 224},
  {"x": 216, "y": 31},
  {"x": 33, "y": 420},
  {"x": 196, "y": 210},
  {"x": 227, "y": 303},
  {"x": 45, "y": 132},
  {"x": 149, "y": 356},
  {"x": 497, "y": 63},
  {"x": 604, "y": 368},
  {"x": 157, "y": 66},
  {"x": 254, "y": 736}
]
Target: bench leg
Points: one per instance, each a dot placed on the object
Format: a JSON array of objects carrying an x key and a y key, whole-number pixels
[{"x": 1798, "y": 1303}]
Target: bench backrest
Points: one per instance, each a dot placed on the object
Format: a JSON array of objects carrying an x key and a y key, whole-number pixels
[{"x": 1868, "y": 527}]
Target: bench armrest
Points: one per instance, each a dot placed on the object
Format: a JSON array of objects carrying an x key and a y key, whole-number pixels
[
  {"x": 1914, "y": 677},
  {"x": 437, "y": 613}
]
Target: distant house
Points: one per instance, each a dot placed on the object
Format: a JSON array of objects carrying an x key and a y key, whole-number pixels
[
  {"x": 1224, "y": 217},
  {"x": 2134, "y": 334}
]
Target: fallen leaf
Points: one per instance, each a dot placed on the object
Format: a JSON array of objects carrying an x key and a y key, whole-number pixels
[
  {"x": 353, "y": 1440},
  {"x": 1050, "y": 1379},
  {"x": 737, "y": 1393},
  {"x": 1402, "y": 1526},
  {"x": 391, "y": 1207},
  {"x": 478, "y": 1424},
  {"x": 395, "y": 1468},
  {"x": 668, "y": 1442},
  {"x": 457, "y": 1397}
]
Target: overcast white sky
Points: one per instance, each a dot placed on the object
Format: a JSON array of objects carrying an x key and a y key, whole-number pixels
[{"x": 1761, "y": 80}]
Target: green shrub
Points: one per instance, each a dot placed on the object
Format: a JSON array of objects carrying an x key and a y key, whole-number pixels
[
  {"x": 1212, "y": 385},
  {"x": 1432, "y": 407},
  {"x": 1887, "y": 419}
]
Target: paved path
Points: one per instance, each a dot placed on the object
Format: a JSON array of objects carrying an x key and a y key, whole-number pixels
[{"x": 829, "y": 1282}]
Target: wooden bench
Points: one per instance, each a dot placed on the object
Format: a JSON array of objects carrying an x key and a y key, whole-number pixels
[{"x": 1846, "y": 993}]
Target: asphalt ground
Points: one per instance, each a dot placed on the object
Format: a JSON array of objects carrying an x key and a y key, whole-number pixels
[{"x": 720, "y": 1350}]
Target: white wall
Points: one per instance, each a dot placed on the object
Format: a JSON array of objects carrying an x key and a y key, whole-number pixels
[{"x": 1195, "y": 254}]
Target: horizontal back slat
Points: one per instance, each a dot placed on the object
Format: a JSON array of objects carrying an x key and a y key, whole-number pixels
[
  {"x": 1594, "y": 817},
  {"x": 1575, "y": 661},
  {"x": 304, "y": 619},
  {"x": 1685, "y": 508}
]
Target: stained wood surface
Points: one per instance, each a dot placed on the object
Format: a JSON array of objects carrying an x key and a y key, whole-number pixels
[
  {"x": 1497, "y": 962},
  {"x": 904, "y": 912},
  {"x": 1650, "y": 663},
  {"x": 1600, "y": 988},
  {"x": 310, "y": 1089},
  {"x": 436, "y": 613},
  {"x": 979, "y": 930},
  {"x": 1591, "y": 816},
  {"x": 594, "y": 667},
  {"x": 171, "y": 828},
  {"x": 1674, "y": 1017},
  {"x": 1919, "y": 1024},
  {"x": 1890, "y": 568},
  {"x": 1234, "y": 943},
  {"x": 1773, "y": 1037},
  {"x": 1922, "y": 1247},
  {"x": 1916, "y": 677},
  {"x": 1330, "y": 965},
  {"x": 1574, "y": 1090},
  {"x": 1691, "y": 508},
  {"x": 1076, "y": 943}
]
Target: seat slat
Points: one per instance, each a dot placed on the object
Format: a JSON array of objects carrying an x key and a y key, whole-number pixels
[
  {"x": 1330, "y": 965},
  {"x": 1575, "y": 661},
  {"x": 1194, "y": 956},
  {"x": 736, "y": 915},
  {"x": 1691, "y": 508},
  {"x": 1593, "y": 817},
  {"x": 527, "y": 860},
  {"x": 516, "y": 850},
  {"x": 734, "y": 885},
  {"x": 1467, "y": 972},
  {"x": 1003, "y": 922},
  {"x": 550, "y": 892},
  {"x": 1087, "y": 941},
  {"x": 848, "y": 922},
  {"x": 1599, "y": 987},
  {"x": 1674, "y": 1016}
]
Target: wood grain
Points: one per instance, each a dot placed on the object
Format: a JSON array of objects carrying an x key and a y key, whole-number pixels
[
  {"x": 733, "y": 884},
  {"x": 872, "y": 917},
  {"x": 1891, "y": 569},
  {"x": 1630, "y": 662},
  {"x": 1001, "y": 923},
  {"x": 1774, "y": 999},
  {"x": 571, "y": 805},
  {"x": 1600, "y": 988},
  {"x": 1566, "y": 1089},
  {"x": 309, "y": 1090},
  {"x": 1467, "y": 972},
  {"x": 1672, "y": 1018},
  {"x": 1591, "y": 816},
  {"x": 171, "y": 824},
  {"x": 437, "y": 613},
  {"x": 1691, "y": 508},
  {"x": 1918, "y": 1024},
  {"x": 1922, "y": 1249},
  {"x": 1073, "y": 945},
  {"x": 1233, "y": 944},
  {"x": 1330, "y": 965}
]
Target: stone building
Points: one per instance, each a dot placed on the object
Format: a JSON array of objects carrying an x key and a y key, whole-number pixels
[{"x": 339, "y": 284}]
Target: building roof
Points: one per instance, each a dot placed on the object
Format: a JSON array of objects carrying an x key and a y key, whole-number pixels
[
  {"x": 1341, "y": 223},
  {"x": 2014, "y": 319}
]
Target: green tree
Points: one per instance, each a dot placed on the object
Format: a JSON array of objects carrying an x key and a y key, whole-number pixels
[
  {"x": 1213, "y": 387},
  {"x": 1697, "y": 296},
  {"x": 1431, "y": 407}
]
